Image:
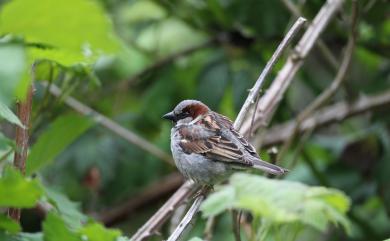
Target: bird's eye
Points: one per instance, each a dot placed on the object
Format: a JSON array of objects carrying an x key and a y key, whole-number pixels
[{"x": 183, "y": 114}]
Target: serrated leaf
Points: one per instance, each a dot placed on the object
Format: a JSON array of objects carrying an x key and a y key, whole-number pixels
[
  {"x": 62, "y": 132},
  {"x": 73, "y": 32},
  {"x": 12, "y": 69},
  {"x": 68, "y": 210},
  {"x": 283, "y": 202},
  {"x": 221, "y": 201},
  {"x": 7, "y": 114},
  {"x": 55, "y": 229},
  {"x": 97, "y": 232},
  {"x": 18, "y": 191},
  {"x": 90, "y": 29},
  {"x": 21, "y": 236},
  {"x": 195, "y": 239},
  {"x": 9, "y": 224}
]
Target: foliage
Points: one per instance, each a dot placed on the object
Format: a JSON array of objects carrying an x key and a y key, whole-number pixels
[
  {"x": 278, "y": 202},
  {"x": 24, "y": 192},
  {"x": 133, "y": 61},
  {"x": 64, "y": 130},
  {"x": 39, "y": 32}
]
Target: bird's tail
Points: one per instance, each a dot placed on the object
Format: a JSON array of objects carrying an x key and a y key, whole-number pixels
[{"x": 268, "y": 167}]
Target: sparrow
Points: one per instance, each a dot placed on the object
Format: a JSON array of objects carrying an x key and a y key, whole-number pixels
[{"x": 207, "y": 148}]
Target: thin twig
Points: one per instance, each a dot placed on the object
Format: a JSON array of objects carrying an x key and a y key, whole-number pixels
[
  {"x": 267, "y": 69},
  {"x": 328, "y": 93},
  {"x": 111, "y": 125},
  {"x": 209, "y": 229},
  {"x": 254, "y": 92},
  {"x": 186, "y": 221},
  {"x": 320, "y": 44},
  {"x": 158, "y": 219},
  {"x": 21, "y": 141},
  {"x": 275, "y": 93},
  {"x": 236, "y": 220},
  {"x": 332, "y": 114}
]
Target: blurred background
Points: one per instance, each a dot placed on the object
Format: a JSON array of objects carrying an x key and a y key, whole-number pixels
[{"x": 133, "y": 61}]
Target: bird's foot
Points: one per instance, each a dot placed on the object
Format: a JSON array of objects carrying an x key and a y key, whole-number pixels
[{"x": 203, "y": 191}]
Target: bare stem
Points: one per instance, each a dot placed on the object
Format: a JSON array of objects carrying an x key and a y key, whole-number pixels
[
  {"x": 328, "y": 93},
  {"x": 275, "y": 93},
  {"x": 325, "y": 116},
  {"x": 324, "y": 50},
  {"x": 270, "y": 64},
  {"x": 254, "y": 92},
  {"x": 21, "y": 139},
  {"x": 158, "y": 219},
  {"x": 186, "y": 221},
  {"x": 111, "y": 125}
]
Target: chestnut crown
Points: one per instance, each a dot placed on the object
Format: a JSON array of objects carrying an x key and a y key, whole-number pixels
[{"x": 185, "y": 109}]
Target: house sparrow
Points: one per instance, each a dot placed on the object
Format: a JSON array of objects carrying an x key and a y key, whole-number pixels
[{"x": 206, "y": 147}]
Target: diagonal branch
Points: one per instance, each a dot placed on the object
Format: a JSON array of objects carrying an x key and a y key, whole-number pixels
[
  {"x": 294, "y": 62},
  {"x": 323, "y": 117},
  {"x": 254, "y": 92},
  {"x": 320, "y": 44},
  {"x": 328, "y": 93},
  {"x": 111, "y": 125}
]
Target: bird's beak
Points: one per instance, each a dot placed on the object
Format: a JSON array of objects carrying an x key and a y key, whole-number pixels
[{"x": 169, "y": 116}]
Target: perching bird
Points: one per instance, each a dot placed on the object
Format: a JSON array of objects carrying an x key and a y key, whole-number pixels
[{"x": 206, "y": 147}]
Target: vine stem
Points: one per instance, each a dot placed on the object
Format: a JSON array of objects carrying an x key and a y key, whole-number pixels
[{"x": 21, "y": 140}]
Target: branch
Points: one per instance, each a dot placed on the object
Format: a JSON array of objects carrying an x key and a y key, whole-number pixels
[
  {"x": 320, "y": 44},
  {"x": 254, "y": 92},
  {"x": 323, "y": 117},
  {"x": 156, "y": 190},
  {"x": 328, "y": 93},
  {"x": 275, "y": 93},
  {"x": 186, "y": 221},
  {"x": 111, "y": 125},
  {"x": 21, "y": 139},
  {"x": 158, "y": 219}
]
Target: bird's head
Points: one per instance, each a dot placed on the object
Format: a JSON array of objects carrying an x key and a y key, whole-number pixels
[{"x": 186, "y": 111}]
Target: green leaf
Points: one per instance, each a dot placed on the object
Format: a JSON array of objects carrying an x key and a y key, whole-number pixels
[
  {"x": 221, "y": 201},
  {"x": 21, "y": 237},
  {"x": 62, "y": 132},
  {"x": 9, "y": 224},
  {"x": 55, "y": 229},
  {"x": 196, "y": 239},
  {"x": 7, "y": 114},
  {"x": 18, "y": 191},
  {"x": 68, "y": 210},
  {"x": 281, "y": 202},
  {"x": 97, "y": 232},
  {"x": 12, "y": 69},
  {"x": 72, "y": 32}
]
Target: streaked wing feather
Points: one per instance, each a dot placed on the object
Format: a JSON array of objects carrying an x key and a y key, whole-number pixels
[
  {"x": 229, "y": 124},
  {"x": 210, "y": 143}
]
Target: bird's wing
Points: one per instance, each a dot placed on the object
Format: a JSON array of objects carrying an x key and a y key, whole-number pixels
[
  {"x": 206, "y": 138},
  {"x": 229, "y": 124}
]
